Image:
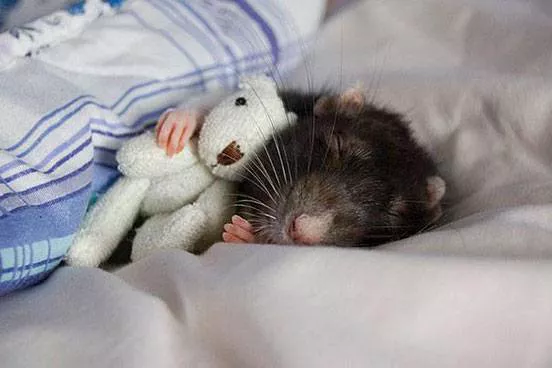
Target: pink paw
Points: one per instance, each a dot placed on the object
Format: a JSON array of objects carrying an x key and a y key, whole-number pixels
[
  {"x": 239, "y": 231},
  {"x": 175, "y": 128}
]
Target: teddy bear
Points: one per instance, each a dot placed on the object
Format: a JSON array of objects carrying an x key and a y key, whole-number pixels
[{"x": 186, "y": 197}]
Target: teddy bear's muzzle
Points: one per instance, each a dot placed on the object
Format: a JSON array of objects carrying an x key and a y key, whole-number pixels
[{"x": 230, "y": 154}]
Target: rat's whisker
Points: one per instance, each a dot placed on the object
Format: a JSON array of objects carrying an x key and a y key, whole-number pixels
[
  {"x": 241, "y": 205},
  {"x": 256, "y": 202},
  {"x": 324, "y": 162},
  {"x": 258, "y": 182},
  {"x": 260, "y": 132},
  {"x": 264, "y": 171},
  {"x": 275, "y": 137}
]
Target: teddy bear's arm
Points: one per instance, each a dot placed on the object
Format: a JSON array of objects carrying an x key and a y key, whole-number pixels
[
  {"x": 177, "y": 125},
  {"x": 107, "y": 223}
]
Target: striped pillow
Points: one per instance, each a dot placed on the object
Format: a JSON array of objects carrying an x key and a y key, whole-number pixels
[{"x": 69, "y": 106}]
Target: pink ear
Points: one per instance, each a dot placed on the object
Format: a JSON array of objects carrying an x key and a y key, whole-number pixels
[{"x": 352, "y": 100}]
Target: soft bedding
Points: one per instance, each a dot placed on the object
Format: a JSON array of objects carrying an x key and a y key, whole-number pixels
[
  {"x": 106, "y": 76},
  {"x": 474, "y": 78}
]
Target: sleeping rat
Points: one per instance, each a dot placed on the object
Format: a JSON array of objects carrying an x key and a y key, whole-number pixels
[{"x": 347, "y": 173}]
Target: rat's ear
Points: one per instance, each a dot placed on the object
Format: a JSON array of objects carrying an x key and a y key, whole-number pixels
[
  {"x": 436, "y": 188},
  {"x": 352, "y": 100}
]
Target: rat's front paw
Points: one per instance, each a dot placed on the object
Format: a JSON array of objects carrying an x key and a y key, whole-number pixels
[
  {"x": 239, "y": 231},
  {"x": 175, "y": 128}
]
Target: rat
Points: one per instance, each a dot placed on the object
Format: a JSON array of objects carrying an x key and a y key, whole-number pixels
[{"x": 347, "y": 173}]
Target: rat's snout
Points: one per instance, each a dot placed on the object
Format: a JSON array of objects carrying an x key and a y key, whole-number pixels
[{"x": 309, "y": 229}]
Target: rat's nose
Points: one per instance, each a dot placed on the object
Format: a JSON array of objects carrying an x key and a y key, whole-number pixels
[{"x": 308, "y": 230}]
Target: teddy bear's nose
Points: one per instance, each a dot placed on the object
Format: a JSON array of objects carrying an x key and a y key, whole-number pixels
[{"x": 230, "y": 154}]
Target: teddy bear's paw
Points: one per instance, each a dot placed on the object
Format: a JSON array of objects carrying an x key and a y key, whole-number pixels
[{"x": 86, "y": 251}]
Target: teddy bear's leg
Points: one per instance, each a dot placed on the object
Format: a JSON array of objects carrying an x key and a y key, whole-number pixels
[
  {"x": 178, "y": 230},
  {"x": 217, "y": 203},
  {"x": 169, "y": 193},
  {"x": 191, "y": 228},
  {"x": 107, "y": 223}
]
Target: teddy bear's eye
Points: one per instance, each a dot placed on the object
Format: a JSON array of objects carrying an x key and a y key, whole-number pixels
[{"x": 241, "y": 101}]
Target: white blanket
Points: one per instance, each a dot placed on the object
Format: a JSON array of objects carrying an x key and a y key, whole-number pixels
[{"x": 474, "y": 77}]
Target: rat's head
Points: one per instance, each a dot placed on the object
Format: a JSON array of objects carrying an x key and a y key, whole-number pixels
[
  {"x": 350, "y": 175},
  {"x": 240, "y": 124}
]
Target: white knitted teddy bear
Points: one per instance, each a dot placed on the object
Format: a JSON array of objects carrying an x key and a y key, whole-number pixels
[{"x": 188, "y": 197}]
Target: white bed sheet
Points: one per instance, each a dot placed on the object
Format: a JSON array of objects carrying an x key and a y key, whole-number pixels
[{"x": 475, "y": 77}]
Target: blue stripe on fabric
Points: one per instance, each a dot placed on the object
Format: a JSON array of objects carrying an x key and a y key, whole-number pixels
[
  {"x": 54, "y": 153},
  {"x": 169, "y": 38},
  {"x": 14, "y": 191},
  {"x": 70, "y": 196},
  {"x": 120, "y": 135},
  {"x": 13, "y": 267},
  {"x": 184, "y": 24},
  {"x": 15, "y": 262},
  {"x": 31, "y": 224},
  {"x": 50, "y": 183},
  {"x": 23, "y": 266},
  {"x": 169, "y": 80},
  {"x": 57, "y": 125},
  {"x": 214, "y": 33},
  {"x": 13, "y": 164},
  {"x": 8, "y": 287},
  {"x": 43, "y": 120},
  {"x": 70, "y": 141},
  {"x": 163, "y": 90},
  {"x": 111, "y": 151},
  {"x": 32, "y": 227},
  {"x": 267, "y": 30},
  {"x": 104, "y": 177},
  {"x": 64, "y": 159},
  {"x": 139, "y": 122},
  {"x": 99, "y": 106},
  {"x": 102, "y": 106}
]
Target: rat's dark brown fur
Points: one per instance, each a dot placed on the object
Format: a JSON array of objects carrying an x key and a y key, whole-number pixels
[{"x": 348, "y": 164}]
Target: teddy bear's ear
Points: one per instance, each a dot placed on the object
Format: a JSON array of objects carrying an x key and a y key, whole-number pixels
[{"x": 261, "y": 84}]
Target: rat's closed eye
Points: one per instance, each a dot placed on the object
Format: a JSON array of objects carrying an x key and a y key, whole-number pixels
[{"x": 241, "y": 101}]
